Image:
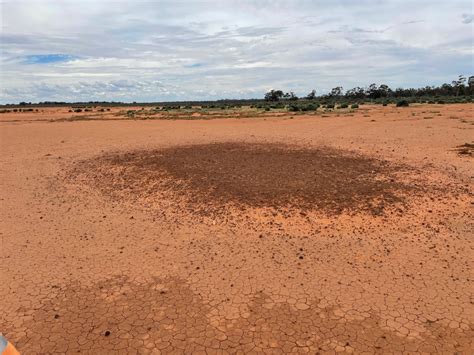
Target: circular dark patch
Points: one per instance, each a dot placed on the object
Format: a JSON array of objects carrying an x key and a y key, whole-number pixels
[{"x": 257, "y": 175}]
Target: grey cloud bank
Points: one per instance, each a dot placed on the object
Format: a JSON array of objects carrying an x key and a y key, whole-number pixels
[{"x": 155, "y": 51}]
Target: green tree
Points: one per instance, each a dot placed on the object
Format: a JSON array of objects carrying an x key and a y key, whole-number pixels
[
  {"x": 336, "y": 92},
  {"x": 459, "y": 84},
  {"x": 311, "y": 95},
  {"x": 273, "y": 95}
]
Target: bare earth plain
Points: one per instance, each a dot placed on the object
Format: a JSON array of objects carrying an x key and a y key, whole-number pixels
[{"x": 238, "y": 231}]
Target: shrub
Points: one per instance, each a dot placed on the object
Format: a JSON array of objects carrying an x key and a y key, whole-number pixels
[
  {"x": 441, "y": 102},
  {"x": 403, "y": 103},
  {"x": 344, "y": 106},
  {"x": 293, "y": 108},
  {"x": 78, "y": 110},
  {"x": 354, "y": 106},
  {"x": 330, "y": 106},
  {"x": 267, "y": 108}
]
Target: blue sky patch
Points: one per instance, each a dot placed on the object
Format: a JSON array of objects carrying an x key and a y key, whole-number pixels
[
  {"x": 47, "y": 58},
  {"x": 195, "y": 65}
]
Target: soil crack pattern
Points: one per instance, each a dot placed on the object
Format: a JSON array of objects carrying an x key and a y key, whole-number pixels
[{"x": 166, "y": 316}]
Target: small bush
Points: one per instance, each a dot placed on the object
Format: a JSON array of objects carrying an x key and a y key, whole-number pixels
[
  {"x": 330, "y": 106},
  {"x": 441, "y": 102},
  {"x": 344, "y": 106},
  {"x": 354, "y": 106},
  {"x": 78, "y": 110},
  {"x": 403, "y": 103},
  {"x": 293, "y": 108}
]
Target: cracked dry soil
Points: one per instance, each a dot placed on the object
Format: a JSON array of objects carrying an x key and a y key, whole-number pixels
[{"x": 198, "y": 238}]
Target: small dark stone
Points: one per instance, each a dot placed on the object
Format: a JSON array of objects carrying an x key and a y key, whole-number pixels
[
  {"x": 56, "y": 316},
  {"x": 107, "y": 333}
]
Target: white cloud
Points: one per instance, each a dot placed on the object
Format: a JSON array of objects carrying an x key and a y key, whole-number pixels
[{"x": 197, "y": 50}]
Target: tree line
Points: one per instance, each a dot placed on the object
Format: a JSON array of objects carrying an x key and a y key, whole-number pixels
[{"x": 462, "y": 86}]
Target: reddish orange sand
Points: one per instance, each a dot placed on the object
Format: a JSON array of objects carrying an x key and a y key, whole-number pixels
[{"x": 101, "y": 254}]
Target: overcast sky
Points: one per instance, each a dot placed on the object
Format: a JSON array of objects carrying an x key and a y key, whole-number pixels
[{"x": 181, "y": 50}]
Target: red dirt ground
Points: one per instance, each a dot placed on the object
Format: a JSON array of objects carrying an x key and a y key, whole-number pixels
[{"x": 338, "y": 232}]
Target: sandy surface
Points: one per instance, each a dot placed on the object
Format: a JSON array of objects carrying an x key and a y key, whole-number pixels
[{"x": 233, "y": 235}]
